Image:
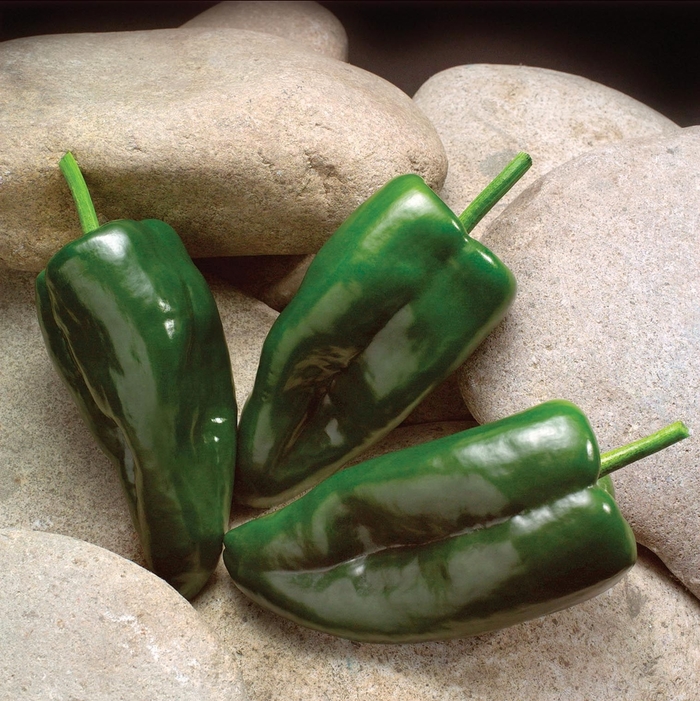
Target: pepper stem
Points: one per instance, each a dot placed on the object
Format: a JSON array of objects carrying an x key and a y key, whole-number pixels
[
  {"x": 642, "y": 448},
  {"x": 494, "y": 191},
  {"x": 81, "y": 195}
]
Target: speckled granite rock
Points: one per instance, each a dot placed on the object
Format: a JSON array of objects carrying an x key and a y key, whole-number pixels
[
  {"x": 639, "y": 640},
  {"x": 53, "y": 476},
  {"x": 486, "y": 113},
  {"x": 79, "y": 623},
  {"x": 606, "y": 251},
  {"x": 243, "y": 143},
  {"x": 308, "y": 24}
]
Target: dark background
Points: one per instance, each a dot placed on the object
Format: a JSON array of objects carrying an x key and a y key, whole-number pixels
[{"x": 649, "y": 50}]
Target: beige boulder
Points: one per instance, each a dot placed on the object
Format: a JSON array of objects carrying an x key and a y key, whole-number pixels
[
  {"x": 243, "y": 143},
  {"x": 308, "y": 24},
  {"x": 81, "y": 623},
  {"x": 487, "y": 113}
]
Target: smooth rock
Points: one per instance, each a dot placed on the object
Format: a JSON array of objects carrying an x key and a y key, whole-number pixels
[
  {"x": 606, "y": 251},
  {"x": 79, "y": 623},
  {"x": 53, "y": 476},
  {"x": 308, "y": 24},
  {"x": 485, "y": 114},
  {"x": 639, "y": 640},
  {"x": 243, "y": 143}
]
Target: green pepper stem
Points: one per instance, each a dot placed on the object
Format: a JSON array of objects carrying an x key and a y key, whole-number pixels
[
  {"x": 619, "y": 457},
  {"x": 494, "y": 191},
  {"x": 81, "y": 195}
]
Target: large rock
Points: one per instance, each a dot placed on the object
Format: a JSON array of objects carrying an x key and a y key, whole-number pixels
[
  {"x": 53, "y": 476},
  {"x": 308, "y": 24},
  {"x": 639, "y": 640},
  {"x": 486, "y": 113},
  {"x": 243, "y": 143},
  {"x": 606, "y": 251},
  {"x": 78, "y": 623}
]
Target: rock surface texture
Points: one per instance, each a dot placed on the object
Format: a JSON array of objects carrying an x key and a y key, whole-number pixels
[
  {"x": 308, "y": 24},
  {"x": 486, "y": 113},
  {"x": 639, "y": 640},
  {"x": 606, "y": 252},
  {"x": 243, "y": 143},
  {"x": 53, "y": 477},
  {"x": 79, "y": 623}
]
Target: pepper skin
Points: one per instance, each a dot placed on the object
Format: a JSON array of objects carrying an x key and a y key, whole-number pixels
[
  {"x": 392, "y": 304},
  {"x": 459, "y": 536},
  {"x": 132, "y": 327}
]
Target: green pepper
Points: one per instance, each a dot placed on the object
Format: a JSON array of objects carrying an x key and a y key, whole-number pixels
[
  {"x": 455, "y": 537},
  {"x": 394, "y": 302},
  {"x": 131, "y": 326}
]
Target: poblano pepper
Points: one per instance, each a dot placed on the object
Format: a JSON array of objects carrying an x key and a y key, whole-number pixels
[
  {"x": 132, "y": 327},
  {"x": 462, "y": 535},
  {"x": 394, "y": 302}
]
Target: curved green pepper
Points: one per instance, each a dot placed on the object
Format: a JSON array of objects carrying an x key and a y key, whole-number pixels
[
  {"x": 132, "y": 328},
  {"x": 392, "y": 304},
  {"x": 455, "y": 537}
]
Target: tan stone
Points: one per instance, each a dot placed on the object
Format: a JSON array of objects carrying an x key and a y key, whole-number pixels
[
  {"x": 308, "y": 24},
  {"x": 606, "y": 252},
  {"x": 80, "y": 623},
  {"x": 241, "y": 142},
  {"x": 486, "y": 113}
]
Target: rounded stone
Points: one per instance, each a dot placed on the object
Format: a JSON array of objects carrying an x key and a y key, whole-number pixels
[
  {"x": 79, "y": 623},
  {"x": 308, "y": 24},
  {"x": 485, "y": 114},
  {"x": 243, "y": 143},
  {"x": 606, "y": 251}
]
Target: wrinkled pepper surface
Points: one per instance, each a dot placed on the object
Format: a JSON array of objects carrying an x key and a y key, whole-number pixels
[
  {"x": 466, "y": 534},
  {"x": 394, "y": 302},
  {"x": 131, "y": 326}
]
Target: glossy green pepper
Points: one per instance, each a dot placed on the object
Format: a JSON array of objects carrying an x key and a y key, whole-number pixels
[
  {"x": 131, "y": 326},
  {"x": 392, "y": 304},
  {"x": 466, "y": 534}
]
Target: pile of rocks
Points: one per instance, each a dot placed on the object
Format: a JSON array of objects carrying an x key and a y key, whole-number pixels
[{"x": 247, "y": 131}]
